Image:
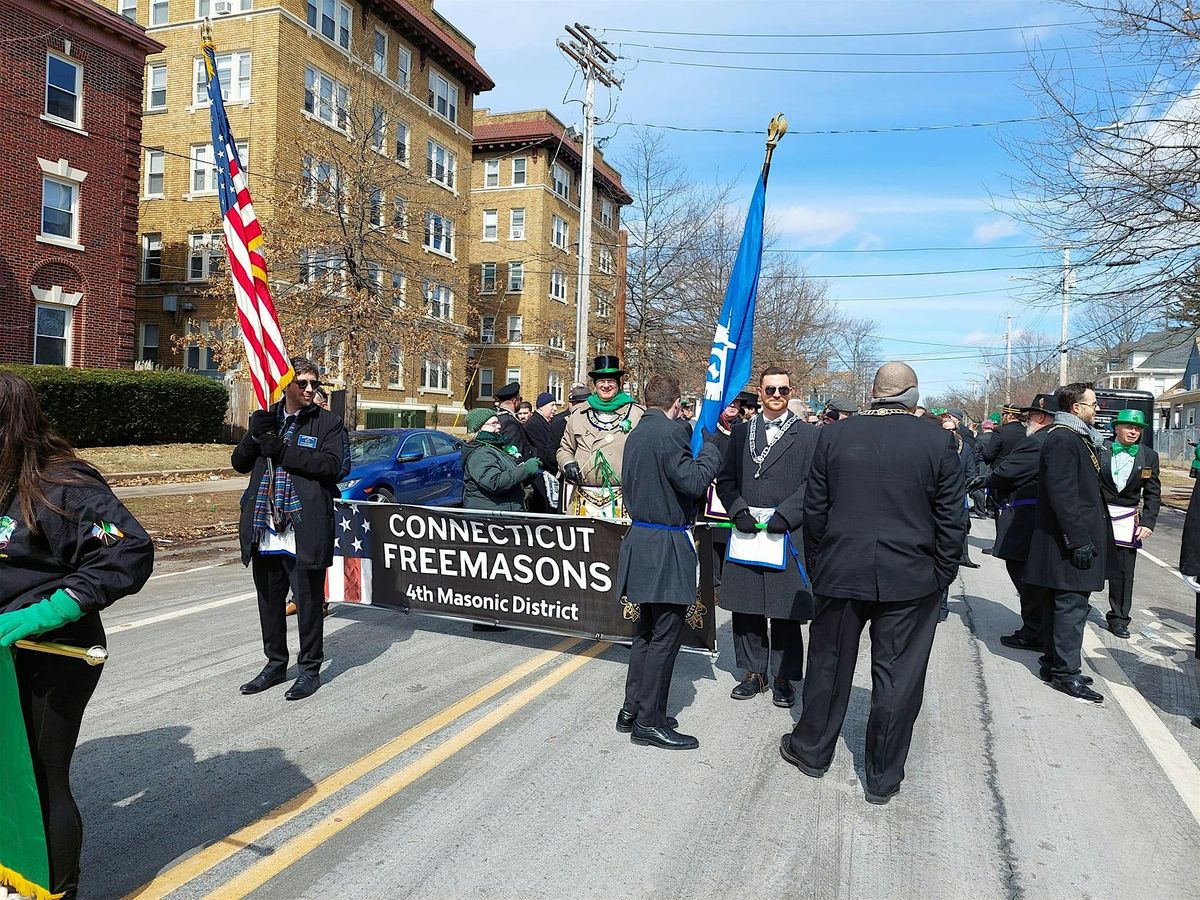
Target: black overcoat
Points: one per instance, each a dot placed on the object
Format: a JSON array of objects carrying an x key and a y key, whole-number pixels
[
  {"x": 1070, "y": 513},
  {"x": 720, "y": 440},
  {"x": 314, "y": 472},
  {"x": 782, "y": 593},
  {"x": 1015, "y": 477},
  {"x": 514, "y": 433},
  {"x": 1144, "y": 488},
  {"x": 1005, "y": 440},
  {"x": 540, "y": 432},
  {"x": 883, "y": 509},
  {"x": 1189, "y": 548},
  {"x": 661, "y": 486}
]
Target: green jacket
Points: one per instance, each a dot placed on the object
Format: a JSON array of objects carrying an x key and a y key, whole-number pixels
[{"x": 492, "y": 479}]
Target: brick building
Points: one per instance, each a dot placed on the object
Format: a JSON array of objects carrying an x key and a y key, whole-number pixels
[
  {"x": 71, "y": 95},
  {"x": 287, "y": 70},
  {"x": 524, "y": 258}
]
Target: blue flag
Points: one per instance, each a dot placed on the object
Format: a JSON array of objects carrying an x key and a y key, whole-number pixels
[{"x": 733, "y": 346}]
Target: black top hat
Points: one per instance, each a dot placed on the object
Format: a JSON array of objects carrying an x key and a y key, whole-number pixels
[
  {"x": 510, "y": 390},
  {"x": 748, "y": 399},
  {"x": 606, "y": 367},
  {"x": 1042, "y": 403}
]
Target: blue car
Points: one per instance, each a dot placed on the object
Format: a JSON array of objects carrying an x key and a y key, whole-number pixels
[{"x": 404, "y": 465}]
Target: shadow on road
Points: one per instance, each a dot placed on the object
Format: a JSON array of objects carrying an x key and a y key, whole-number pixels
[
  {"x": 988, "y": 622},
  {"x": 1188, "y": 623},
  {"x": 151, "y": 784},
  {"x": 1160, "y": 685}
]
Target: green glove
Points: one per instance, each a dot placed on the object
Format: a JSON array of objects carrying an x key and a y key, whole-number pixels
[
  {"x": 1196, "y": 459},
  {"x": 531, "y": 466},
  {"x": 55, "y": 611}
]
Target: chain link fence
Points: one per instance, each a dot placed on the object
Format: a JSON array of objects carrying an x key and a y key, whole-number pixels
[{"x": 1173, "y": 444}]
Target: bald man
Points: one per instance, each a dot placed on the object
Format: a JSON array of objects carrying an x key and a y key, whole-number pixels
[{"x": 883, "y": 533}]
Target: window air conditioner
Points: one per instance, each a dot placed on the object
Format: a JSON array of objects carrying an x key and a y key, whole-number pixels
[{"x": 222, "y": 7}]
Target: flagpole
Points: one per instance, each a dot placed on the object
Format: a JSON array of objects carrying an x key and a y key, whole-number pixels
[
  {"x": 775, "y": 132},
  {"x": 93, "y": 656}
]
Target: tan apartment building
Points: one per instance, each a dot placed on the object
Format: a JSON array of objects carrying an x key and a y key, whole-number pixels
[
  {"x": 291, "y": 71},
  {"x": 525, "y": 188}
]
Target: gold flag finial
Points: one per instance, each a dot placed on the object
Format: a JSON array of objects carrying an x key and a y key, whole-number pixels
[{"x": 775, "y": 132}]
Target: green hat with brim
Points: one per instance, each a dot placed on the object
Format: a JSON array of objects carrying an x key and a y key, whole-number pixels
[
  {"x": 477, "y": 418},
  {"x": 1131, "y": 417}
]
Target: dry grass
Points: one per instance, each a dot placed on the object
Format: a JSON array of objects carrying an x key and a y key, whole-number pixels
[
  {"x": 182, "y": 518},
  {"x": 158, "y": 457},
  {"x": 1176, "y": 486}
]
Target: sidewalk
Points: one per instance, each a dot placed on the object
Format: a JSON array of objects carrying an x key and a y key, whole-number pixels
[{"x": 184, "y": 487}]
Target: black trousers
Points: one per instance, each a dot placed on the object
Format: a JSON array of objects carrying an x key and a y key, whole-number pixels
[
  {"x": 1120, "y": 586},
  {"x": 54, "y": 692},
  {"x": 652, "y": 660},
  {"x": 1031, "y": 614},
  {"x": 901, "y": 641},
  {"x": 274, "y": 575},
  {"x": 782, "y": 654},
  {"x": 1064, "y": 614}
]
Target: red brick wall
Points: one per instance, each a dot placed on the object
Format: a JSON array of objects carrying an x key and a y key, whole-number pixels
[{"x": 102, "y": 323}]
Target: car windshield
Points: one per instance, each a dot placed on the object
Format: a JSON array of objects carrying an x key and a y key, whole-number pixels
[{"x": 374, "y": 448}]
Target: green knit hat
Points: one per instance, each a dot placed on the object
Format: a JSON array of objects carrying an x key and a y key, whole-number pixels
[{"x": 477, "y": 418}]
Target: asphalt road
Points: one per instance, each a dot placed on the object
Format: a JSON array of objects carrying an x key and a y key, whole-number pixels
[{"x": 438, "y": 762}]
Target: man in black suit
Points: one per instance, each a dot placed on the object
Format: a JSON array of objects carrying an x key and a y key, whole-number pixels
[
  {"x": 538, "y": 431},
  {"x": 1128, "y": 476},
  {"x": 1014, "y": 479},
  {"x": 765, "y": 469},
  {"x": 508, "y": 398},
  {"x": 883, "y": 532},
  {"x": 1070, "y": 536},
  {"x": 1010, "y": 433},
  {"x": 658, "y": 569}
]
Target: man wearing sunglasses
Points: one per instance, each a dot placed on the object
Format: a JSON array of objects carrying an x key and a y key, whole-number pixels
[
  {"x": 293, "y": 453},
  {"x": 762, "y": 479}
]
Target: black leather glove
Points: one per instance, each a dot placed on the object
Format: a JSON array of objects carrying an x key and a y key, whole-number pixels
[
  {"x": 979, "y": 481},
  {"x": 745, "y": 522},
  {"x": 271, "y": 446},
  {"x": 572, "y": 474},
  {"x": 777, "y": 524},
  {"x": 262, "y": 421},
  {"x": 1081, "y": 557}
]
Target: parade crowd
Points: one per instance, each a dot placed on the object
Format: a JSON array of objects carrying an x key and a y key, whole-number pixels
[{"x": 845, "y": 519}]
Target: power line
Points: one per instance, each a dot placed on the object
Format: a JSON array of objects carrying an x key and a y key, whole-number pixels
[
  {"x": 852, "y": 249},
  {"x": 859, "y": 34},
  {"x": 777, "y": 69},
  {"x": 868, "y": 53},
  {"x": 812, "y": 132}
]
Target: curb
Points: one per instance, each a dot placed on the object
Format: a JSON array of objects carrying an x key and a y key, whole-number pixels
[{"x": 167, "y": 475}]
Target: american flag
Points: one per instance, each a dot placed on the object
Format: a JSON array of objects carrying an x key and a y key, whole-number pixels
[
  {"x": 268, "y": 363},
  {"x": 349, "y": 578}
]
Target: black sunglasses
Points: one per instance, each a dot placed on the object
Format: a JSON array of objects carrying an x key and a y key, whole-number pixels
[
  {"x": 771, "y": 390},
  {"x": 306, "y": 385}
]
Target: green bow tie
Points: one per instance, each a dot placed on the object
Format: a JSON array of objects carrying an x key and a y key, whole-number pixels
[{"x": 1119, "y": 448}]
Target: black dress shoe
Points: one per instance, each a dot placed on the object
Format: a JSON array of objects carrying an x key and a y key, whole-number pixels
[
  {"x": 306, "y": 685},
  {"x": 267, "y": 678},
  {"x": 1047, "y": 677},
  {"x": 782, "y": 693},
  {"x": 1118, "y": 630},
  {"x": 880, "y": 799},
  {"x": 1018, "y": 641},
  {"x": 1076, "y": 687},
  {"x": 785, "y": 750},
  {"x": 626, "y": 721},
  {"x": 752, "y": 685},
  {"x": 968, "y": 563},
  {"x": 665, "y": 737}
]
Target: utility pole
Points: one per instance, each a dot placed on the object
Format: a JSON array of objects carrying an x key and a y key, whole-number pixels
[
  {"x": 596, "y": 62},
  {"x": 1066, "y": 300},
  {"x": 1008, "y": 361},
  {"x": 622, "y": 293}
]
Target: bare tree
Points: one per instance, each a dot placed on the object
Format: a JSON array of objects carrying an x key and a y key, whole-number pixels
[{"x": 855, "y": 356}]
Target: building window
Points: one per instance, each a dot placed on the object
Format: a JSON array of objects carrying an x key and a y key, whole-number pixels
[
  {"x": 375, "y": 208},
  {"x": 555, "y": 386},
  {"x": 559, "y": 235},
  {"x": 556, "y": 342},
  {"x": 149, "y": 343},
  {"x": 206, "y": 253},
  {"x": 199, "y": 358},
  {"x": 515, "y": 329},
  {"x": 52, "y": 335},
  {"x": 439, "y": 233},
  {"x": 155, "y": 160},
  {"x": 64, "y": 90},
  {"x": 516, "y": 225},
  {"x": 158, "y": 12},
  {"x": 601, "y": 346},
  {"x": 516, "y": 277},
  {"x": 396, "y": 370},
  {"x": 603, "y": 304},
  {"x": 443, "y": 96},
  {"x": 606, "y": 261},
  {"x": 513, "y": 374},
  {"x": 60, "y": 209},
  {"x": 233, "y": 73},
  {"x": 325, "y": 99},
  {"x": 490, "y": 224},
  {"x": 1191, "y": 416},
  {"x": 128, "y": 9},
  {"x": 378, "y": 128},
  {"x": 381, "y": 54},
  {"x": 331, "y": 19},
  {"x": 558, "y": 285},
  {"x": 562, "y": 180},
  {"x": 491, "y": 173},
  {"x": 518, "y": 170},
  {"x": 440, "y": 164},
  {"x": 402, "y": 142},
  {"x": 203, "y": 8},
  {"x": 399, "y": 288},
  {"x": 204, "y": 169},
  {"x": 487, "y": 330},
  {"x": 371, "y": 365},
  {"x": 400, "y": 218},
  {"x": 487, "y": 278},
  {"x": 487, "y": 380},
  {"x": 156, "y": 88},
  {"x": 441, "y": 300},
  {"x": 151, "y": 257},
  {"x": 319, "y": 182},
  {"x": 435, "y": 374},
  {"x": 606, "y": 213},
  {"x": 403, "y": 66}
]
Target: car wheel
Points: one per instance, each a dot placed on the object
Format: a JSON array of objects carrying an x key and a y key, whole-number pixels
[{"x": 383, "y": 495}]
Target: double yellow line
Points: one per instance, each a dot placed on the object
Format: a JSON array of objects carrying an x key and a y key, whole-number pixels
[{"x": 295, "y": 848}]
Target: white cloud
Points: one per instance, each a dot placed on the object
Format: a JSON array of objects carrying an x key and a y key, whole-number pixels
[
  {"x": 813, "y": 225},
  {"x": 976, "y": 337},
  {"x": 995, "y": 229}
]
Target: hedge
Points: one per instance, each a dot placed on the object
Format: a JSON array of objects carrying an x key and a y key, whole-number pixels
[{"x": 114, "y": 407}]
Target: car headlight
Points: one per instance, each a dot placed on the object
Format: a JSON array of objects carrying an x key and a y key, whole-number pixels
[{"x": 346, "y": 485}]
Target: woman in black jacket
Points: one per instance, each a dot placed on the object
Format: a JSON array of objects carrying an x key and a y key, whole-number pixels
[
  {"x": 68, "y": 549},
  {"x": 493, "y": 475}
]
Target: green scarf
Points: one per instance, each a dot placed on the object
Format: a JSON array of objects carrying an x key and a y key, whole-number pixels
[
  {"x": 1118, "y": 448},
  {"x": 612, "y": 405},
  {"x": 496, "y": 439}
]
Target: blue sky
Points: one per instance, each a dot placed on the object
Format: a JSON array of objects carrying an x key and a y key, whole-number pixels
[{"x": 830, "y": 193}]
